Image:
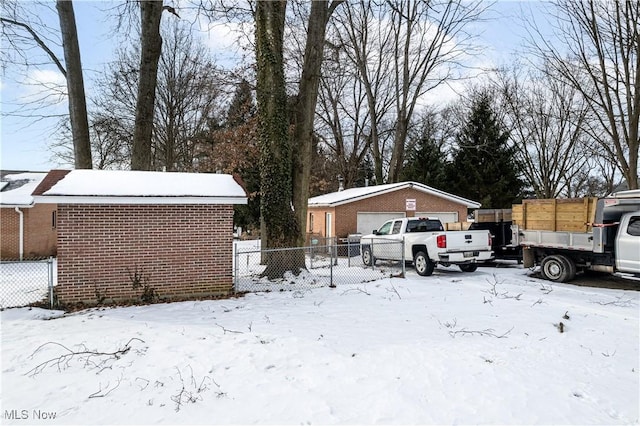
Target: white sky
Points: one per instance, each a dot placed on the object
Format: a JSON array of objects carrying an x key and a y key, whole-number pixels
[{"x": 25, "y": 144}]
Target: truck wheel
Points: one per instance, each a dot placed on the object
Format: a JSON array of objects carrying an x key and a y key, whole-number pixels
[
  {"x": 555, "y": 268},
  {"x": 468, "y": 267},
  {"x": 424, "y": 266},
  {"x": 571, "y": 267},
  {"x": 367, "y": 256}
]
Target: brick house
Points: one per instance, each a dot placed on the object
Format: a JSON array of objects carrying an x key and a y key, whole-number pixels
[
  {"x": 27, "y": 229},
  {"x": 125, "y": 235},
  {"x": 361, "y": 210}
]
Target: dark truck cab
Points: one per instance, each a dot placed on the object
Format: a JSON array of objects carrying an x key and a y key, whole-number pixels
[{"x": 501, "y": 242}]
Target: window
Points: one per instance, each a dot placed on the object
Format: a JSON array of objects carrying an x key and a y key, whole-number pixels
[
  {"x": 310, "y": 222},
  {"x": 634, "y": 226},
  {"x": 424, "y": 225},
  {"x": 384, "y": 229},
  {"x": 396, "y": 227},
  {"x": 53, "y": 219}
]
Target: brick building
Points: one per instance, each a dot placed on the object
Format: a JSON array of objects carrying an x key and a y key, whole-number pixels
[
  {"x": 27, "y": 229},
  {"x": 360, "y": 210},
  {"x": 124, "y": 235}
]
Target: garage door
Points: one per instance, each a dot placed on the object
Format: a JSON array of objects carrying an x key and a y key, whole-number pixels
[
  {"x": 445, "y": 217},
  {"x": 367, "y": 222}
]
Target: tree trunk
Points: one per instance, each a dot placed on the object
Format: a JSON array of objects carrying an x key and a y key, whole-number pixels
[
  {"x": 151, "y": 47},
  {"x": 280, "y": 224},
  {"x": 306, "y": 109},
  {"x": 75, "y": 86}
]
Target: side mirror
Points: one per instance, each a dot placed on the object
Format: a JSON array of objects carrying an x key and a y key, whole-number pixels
[{"x": 375, "y": 232}]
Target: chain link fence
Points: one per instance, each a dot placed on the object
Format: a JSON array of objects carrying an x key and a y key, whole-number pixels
[
  {"x": 314, "y": 266},
  {"x": 27, "y": 282}
]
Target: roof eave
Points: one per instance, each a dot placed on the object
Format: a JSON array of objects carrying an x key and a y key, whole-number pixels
[
  {"x": 151, "y": 200},
  {"x": 419, "y": 187},
  {"x": 20, "y": 206}
]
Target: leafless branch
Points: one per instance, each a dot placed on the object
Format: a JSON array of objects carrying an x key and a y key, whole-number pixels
[
  {"x": 87, "y": 356},
  {"x": 226, "y": 330},
  {"x": 39, "y": 41},
  {"x": 487, "y": 332},
  {"x": 357, "y": 289},
  {"x": 100, "y": 393}
]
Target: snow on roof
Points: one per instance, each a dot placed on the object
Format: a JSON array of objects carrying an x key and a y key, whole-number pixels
[
  {"x": 105, "y": 186},
  {"x": 17, "y": 188},
  {"x": 356, "y": 194}
]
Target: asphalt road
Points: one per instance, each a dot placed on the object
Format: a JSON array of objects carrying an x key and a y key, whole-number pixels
[{"x": 598, "y": 279}]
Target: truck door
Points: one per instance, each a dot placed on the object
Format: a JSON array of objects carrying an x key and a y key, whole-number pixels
[
  {"x": 628, "y": 245},
  {"x": 386, "y": 243}
]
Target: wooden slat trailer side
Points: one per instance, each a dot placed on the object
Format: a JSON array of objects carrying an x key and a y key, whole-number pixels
[{"x": 567, "y": 236}]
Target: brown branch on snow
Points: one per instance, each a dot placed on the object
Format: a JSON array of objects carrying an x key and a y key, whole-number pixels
[
  {"x": 226, "y": 330},
  {"x": 487, "y": 332},
  {"x": 100, "y": 393},
  {"x": 63, "y": 360}
]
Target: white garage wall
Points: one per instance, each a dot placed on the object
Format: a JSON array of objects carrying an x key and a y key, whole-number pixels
[{"x": 368, "y": 221}]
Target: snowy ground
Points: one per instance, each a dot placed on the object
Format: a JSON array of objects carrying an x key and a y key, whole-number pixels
[
  {"x": 25, "y": 282},
  {"x": 451, "y": 348}
]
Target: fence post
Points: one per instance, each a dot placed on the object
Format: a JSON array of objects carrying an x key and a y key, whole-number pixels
[
  {"x": 331, "y": 284},
  {"x": 236, "y": 259},
  {"x": 50, "y": 280},
  {"x": 404, "y": 260},
  {"x": 373, "y": 261}
]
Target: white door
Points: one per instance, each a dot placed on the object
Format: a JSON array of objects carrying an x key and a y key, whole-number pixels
[
  {"x": 327, "y": 225},
  {"x": 628, "y": 247},
  {"x": 367, "y": 222}
]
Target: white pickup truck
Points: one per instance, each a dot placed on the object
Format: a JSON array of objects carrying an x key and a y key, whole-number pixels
[{"x": 426, "y": 244}]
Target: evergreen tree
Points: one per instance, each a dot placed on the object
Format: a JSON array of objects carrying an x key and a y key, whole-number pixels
[
  {"x": 426, "y": 163},
  {"x": 231, "y": 146},
  {"x": 242, "y": 108},
  {"x": 241, "y": 129},
  {"x": 483, "y": 167},
  {"x": 366, "y": 173}
]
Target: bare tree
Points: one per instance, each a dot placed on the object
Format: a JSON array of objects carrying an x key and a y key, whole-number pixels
[
  {"x": 343, "y": 122},
  {"x": 151, "y": 48},
  {"x": 402, "y": 50},
  {"x": 21, "y": 35},
  {"x": 189, "y": 100},
  {"x": 546, "y": 120},
  {"x": 598, "y": 53},
  {"x": 429, "y": 39},
  {"x": 305, "y": 109},
  {"x": 361, "y": 34},
  {"x": 75, "y": 85}
]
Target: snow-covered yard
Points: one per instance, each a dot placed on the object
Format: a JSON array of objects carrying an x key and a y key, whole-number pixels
[
  {"x": 452, "y": 348},
  {"x": 26, "y": 282}
]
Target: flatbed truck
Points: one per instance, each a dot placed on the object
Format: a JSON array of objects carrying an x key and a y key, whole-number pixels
[{"x": 609, "y": 242}]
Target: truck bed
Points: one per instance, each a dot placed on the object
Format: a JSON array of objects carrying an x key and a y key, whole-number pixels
[{"x": 556, "y": 239}]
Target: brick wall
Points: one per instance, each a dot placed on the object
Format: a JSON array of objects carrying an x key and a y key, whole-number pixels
[
  {"x": 39, "y": 232},
  {"x": 180, "y": 251},
  {"x": 346, "y": 215},
  {"x": 319, "y": 220}
]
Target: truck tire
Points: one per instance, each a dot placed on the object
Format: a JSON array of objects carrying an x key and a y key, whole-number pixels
[
  {"x": 555, "y": 268},
  {"x": 468, "y": 267},
  {"x": 571, "y": 267},
  {"x": 367, "y": 256},
  {"x": 423, "y": 265}
]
